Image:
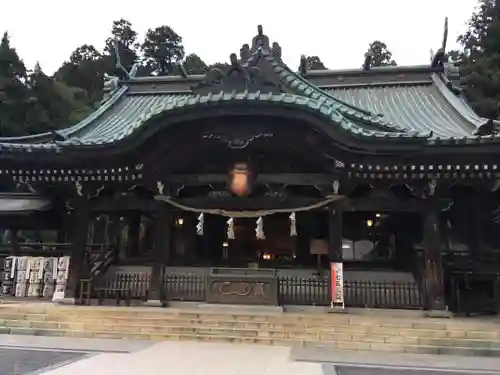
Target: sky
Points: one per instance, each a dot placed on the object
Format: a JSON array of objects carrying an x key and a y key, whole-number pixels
[{"x": 337, "y": 31}]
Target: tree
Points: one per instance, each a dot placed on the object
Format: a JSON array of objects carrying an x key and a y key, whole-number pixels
[
  {"x": 125, "y": 38},
  {"x": 14, "y": 94},
  {"x": 315, "y": 63},
  {"x": 480, "y": 59},
  {"x": 85, "y": 53},
  {"x": 50, "y": 110},
  {"x": 381, "y": 56},
  {"x": 38, "y": 114},
  {"x": 85, "y": 69},
  {"x": 218, "y": 65},
  {"x": 194, "y": 64},
  {"x": 162, "y": 49}
]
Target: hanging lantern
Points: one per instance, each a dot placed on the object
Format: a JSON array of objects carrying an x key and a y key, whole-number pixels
[
  {"x": 230, "y": 229},
  {"x": 259, "y": 229},
  {"x": 293, "y": 225},
  {"x": 240, "y": 180},
  {"x": 199, "y": 226}
]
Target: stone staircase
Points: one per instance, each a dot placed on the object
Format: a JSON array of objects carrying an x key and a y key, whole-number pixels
[{"x": 381, "y": 333}]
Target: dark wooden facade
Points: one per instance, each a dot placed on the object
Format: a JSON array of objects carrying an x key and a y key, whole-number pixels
[{"x": 382, "y": 140}]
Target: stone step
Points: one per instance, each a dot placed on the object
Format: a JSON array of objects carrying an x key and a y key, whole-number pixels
[
  {"x": 340, "y": 345},
  {"x": 289, "y": 334},
  {"x": 166, "y": 321},
  {"x": 336, "y": 331},
  {"x": 264, "y": 321}
]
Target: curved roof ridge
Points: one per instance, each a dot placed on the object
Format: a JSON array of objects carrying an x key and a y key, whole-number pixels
[
  {"x": 317, "y": 106},
  {"x": 34, "y": 138},
  {"x": 71, "y": 130},
  {"x": 114, "y": 98},
  {"x": 458, "y": 103},
  {"x": 397, "y": 69},
  {"x": 346, "y": 109}
]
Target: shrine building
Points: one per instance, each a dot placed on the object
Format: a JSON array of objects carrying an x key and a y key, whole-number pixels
[{"x": 261, "y": 184}]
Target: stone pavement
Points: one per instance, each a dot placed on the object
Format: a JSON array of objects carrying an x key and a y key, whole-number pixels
[
  {"x": 21, "y": 361},
  {"x": 68, "y": 356}
]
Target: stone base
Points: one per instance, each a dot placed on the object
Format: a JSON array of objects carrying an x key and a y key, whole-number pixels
[
  {"x": 336, "y": 309},
  {"x": 65, "y": 301},
  {"x": 443, "y": 314},
  {"x": 155, "y": 303}
]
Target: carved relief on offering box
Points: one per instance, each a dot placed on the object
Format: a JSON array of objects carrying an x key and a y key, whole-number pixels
[{"x": 242, "y": 286}]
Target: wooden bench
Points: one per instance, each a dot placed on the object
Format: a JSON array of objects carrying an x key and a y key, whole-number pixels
[{"x": 121, "y": 294}]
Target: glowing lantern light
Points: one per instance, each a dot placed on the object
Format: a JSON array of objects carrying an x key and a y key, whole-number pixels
[{"x": 240, "y": 180}]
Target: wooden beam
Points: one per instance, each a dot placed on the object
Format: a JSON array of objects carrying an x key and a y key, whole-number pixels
[
  {"x": 299, "y": 179},
  {"x": 385, "y": 204},
  {"x": 123, "y": 203}
]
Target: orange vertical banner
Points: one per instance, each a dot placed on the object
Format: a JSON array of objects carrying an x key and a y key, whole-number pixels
[{"x": 336, "y": 284}]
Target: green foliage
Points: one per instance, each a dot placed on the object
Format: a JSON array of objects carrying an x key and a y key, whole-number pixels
[
  {"x": 85, "y": 69},
  {"x": 50, "y": 110},
  {"x": 194, "y": 64},
  {"x": 381, "y": 56},
  {"x": 218, "y": 65},
  {"x": 315, "y": 63},
  {"x": 162, "y": 49},
  {"x": 125, "y": 38},
  {"x": 14, "y": 94},
  {"x": 32, "y": 102},
  {"x": 479, "y": 60}
]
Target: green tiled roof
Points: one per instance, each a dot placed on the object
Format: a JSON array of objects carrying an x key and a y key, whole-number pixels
[
  {"x": 422, "y": 112},
  {"x": 420, "y": 108}
]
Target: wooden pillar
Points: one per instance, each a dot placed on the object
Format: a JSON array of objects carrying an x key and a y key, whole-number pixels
[
  {"x": 335, "y": 258},
  {"x": 478, "y": 222},
  {"x": 160, "y": 254},
  {"x": 14, "y": 240},
  {"x": 134, "y": 227},
  {"x": 433, "y": 269},
  {"x": 78, "y": 222},
  {"x": 190, "y": 222}
]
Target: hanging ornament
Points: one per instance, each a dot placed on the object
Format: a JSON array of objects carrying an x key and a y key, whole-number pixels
[
  {"x": 259, "y": 229},
  {"x": 230, "y": 229},
  {"x": 293, "y": 225},
  {"x": 199, "y": 226}
]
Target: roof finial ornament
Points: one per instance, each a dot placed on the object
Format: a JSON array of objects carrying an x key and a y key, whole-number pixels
[
  {"x": 303, "y": 65},
  {"x": 368, "y": 60},
  {"x": 260, "y": 40},
  {"x": 236, "y": 67},
  {"x": 128, "y": 74},
  {"x": 119, "y": 60},
  {"x": 182, "y": 70},
  {"x": 276, "y": 51},
  {"x": 440, "y": 57},
  {"x": 445, "y": 34},
  {"x": 245, "y": 53}
]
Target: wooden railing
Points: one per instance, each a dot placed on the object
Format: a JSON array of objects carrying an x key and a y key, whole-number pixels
[
  {"x": 472, "y": 282},
  {"x": 292, "y": 290}
]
